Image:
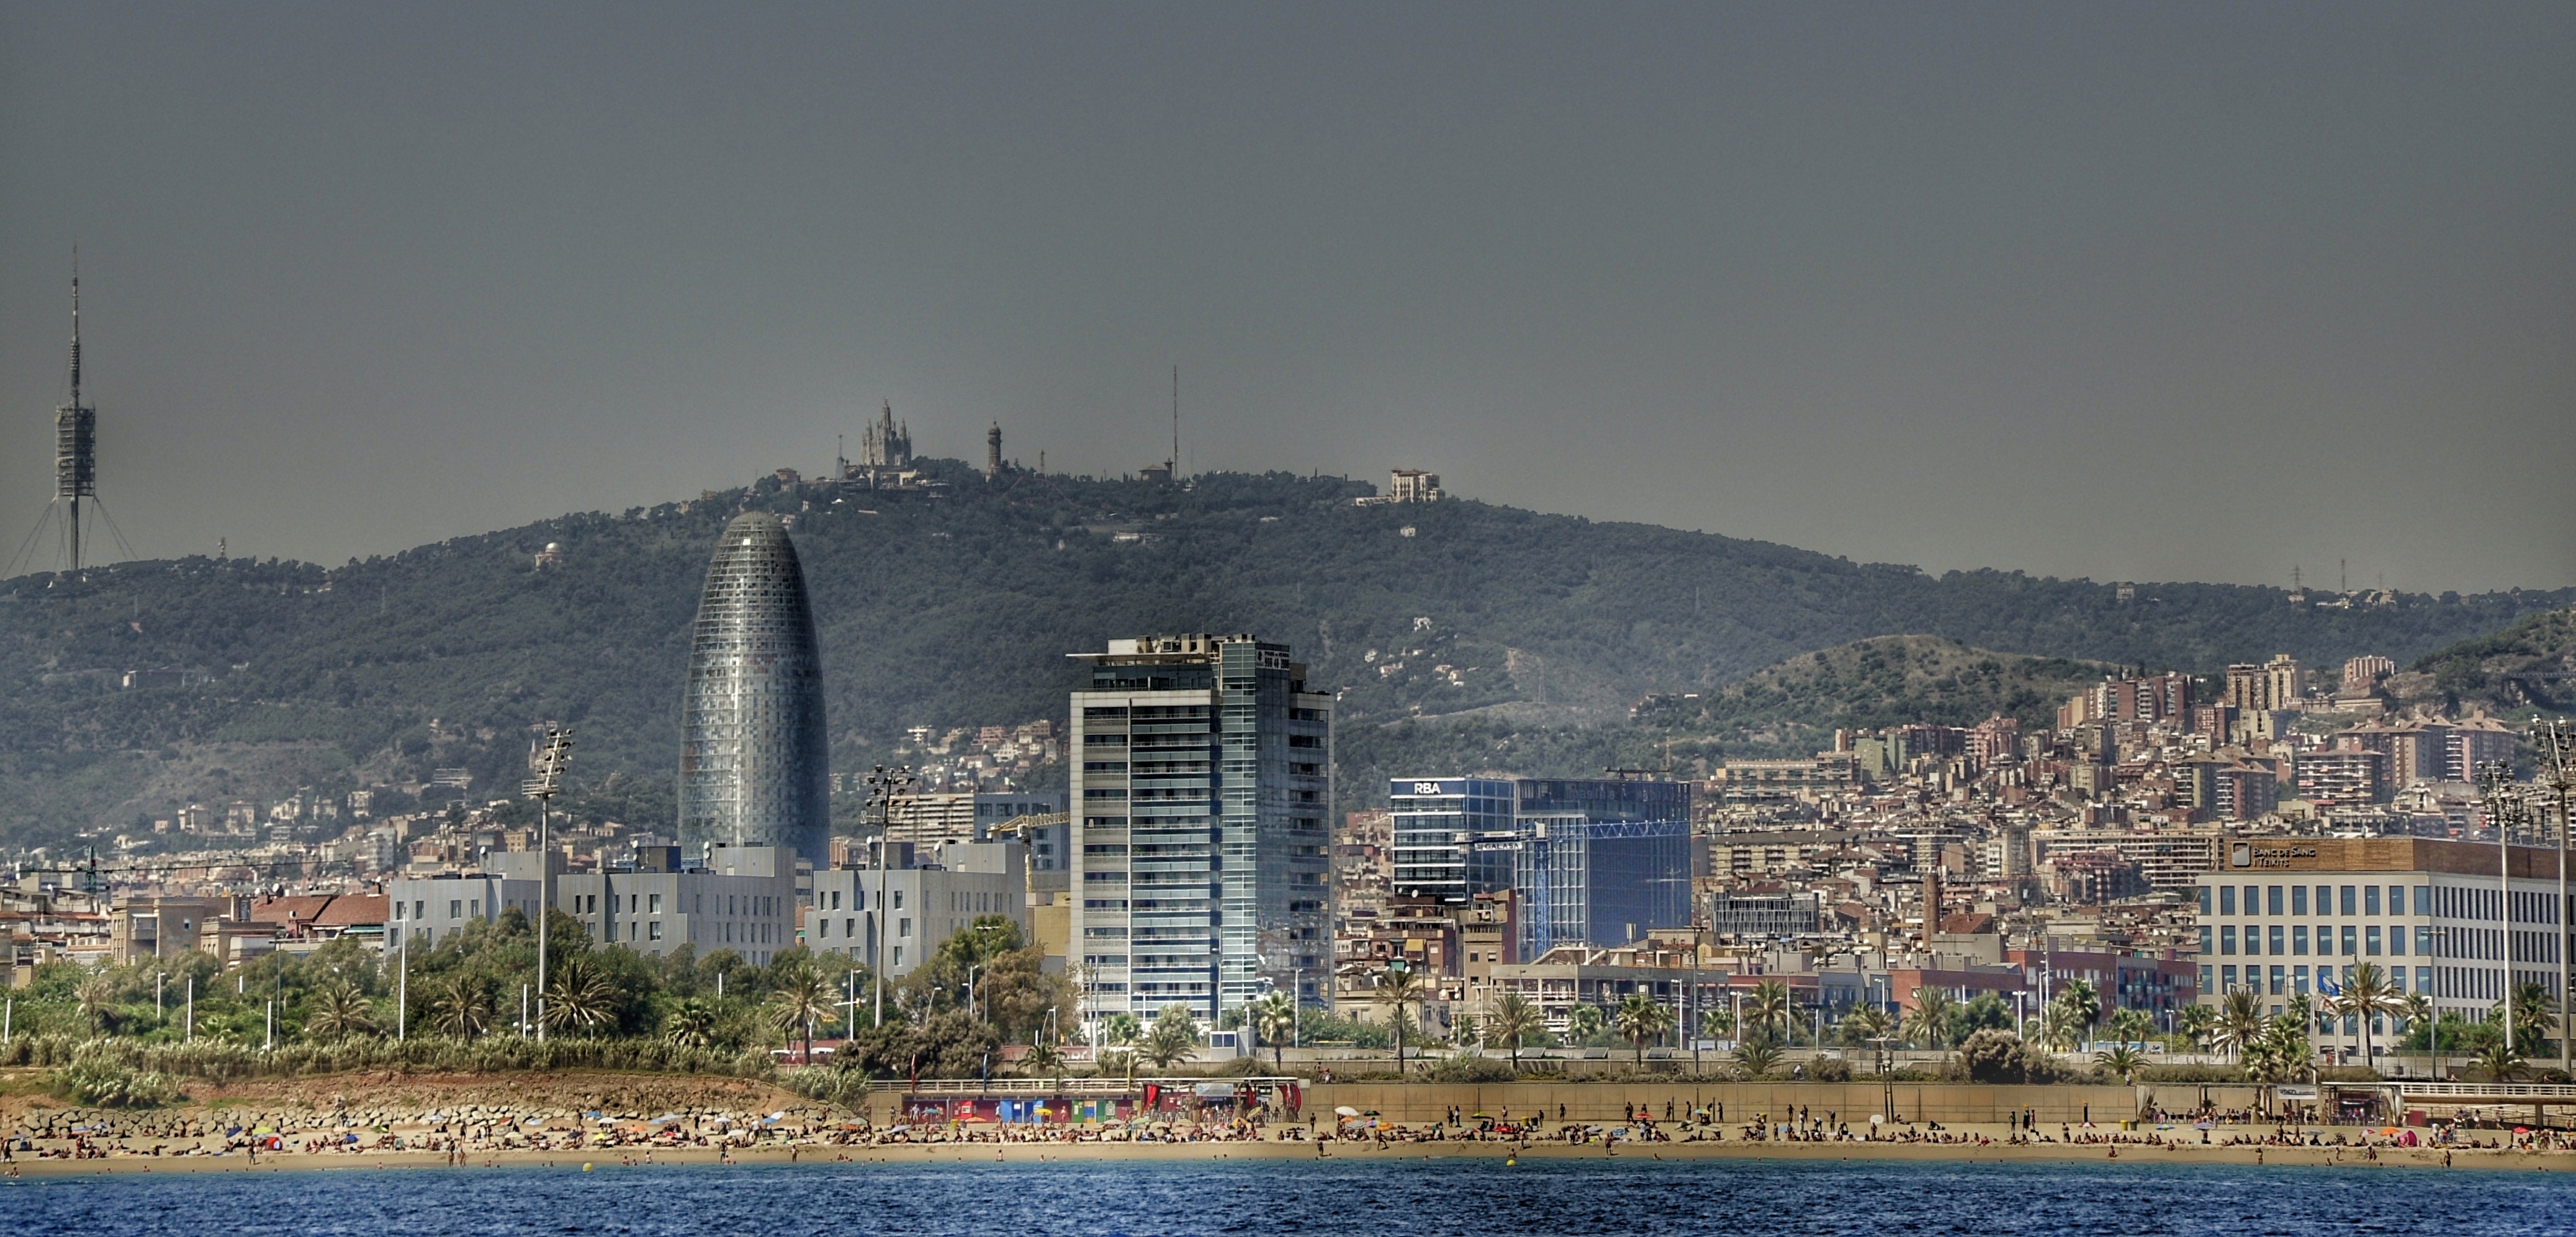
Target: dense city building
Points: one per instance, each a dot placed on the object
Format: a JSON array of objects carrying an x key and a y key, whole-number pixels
[
  {"x": 1596, "y": 862},
  {"x": 1201, "y": 776}
]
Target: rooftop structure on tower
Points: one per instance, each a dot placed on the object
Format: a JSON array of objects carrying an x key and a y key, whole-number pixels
[{"x": 753, "y": 757}]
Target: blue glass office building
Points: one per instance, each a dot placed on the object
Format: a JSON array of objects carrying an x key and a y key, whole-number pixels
[
  {"x": 753, "y": 753},
  {"x": 1594, "y": 861}
]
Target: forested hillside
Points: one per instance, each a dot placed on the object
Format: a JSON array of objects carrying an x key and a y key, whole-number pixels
[
  {"x": 2531, "y": 664},
  {"x": 956, "y": 606}
]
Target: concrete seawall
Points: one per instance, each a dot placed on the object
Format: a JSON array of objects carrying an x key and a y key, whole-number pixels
[
  {"x": 1854, "y": 1102},
  {"x": 1849, "y": 1101}
]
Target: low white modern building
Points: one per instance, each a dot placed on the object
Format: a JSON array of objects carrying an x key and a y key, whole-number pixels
[
  {"x": 909, "y": 907},
  {"x": 742, "y": 898}
]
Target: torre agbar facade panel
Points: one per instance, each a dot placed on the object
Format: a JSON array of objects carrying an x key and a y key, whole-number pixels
[
  {"x": 1202, "y": 773},
  {"x": 753, "y": 753}
]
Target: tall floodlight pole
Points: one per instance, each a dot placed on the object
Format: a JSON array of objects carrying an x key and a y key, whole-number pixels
[
  {"x": 2556, "y": 742},
  {"x": 2505, "y": 808},
  {"x": 883, "y": 785},
  {"x": 548, "y": 768}
]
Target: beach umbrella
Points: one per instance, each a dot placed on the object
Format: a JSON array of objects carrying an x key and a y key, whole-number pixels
[{"x": 1346, "y": 1111}]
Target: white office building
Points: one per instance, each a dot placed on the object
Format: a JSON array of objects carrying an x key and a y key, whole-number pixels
[
  {"x": 2286, "y": 917},
  {"x": 910, "y": 906},
  {"x": 742, "y": 898}
]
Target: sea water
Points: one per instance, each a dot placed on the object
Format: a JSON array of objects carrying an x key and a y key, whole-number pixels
[{"x": 1469, "y": 1197}]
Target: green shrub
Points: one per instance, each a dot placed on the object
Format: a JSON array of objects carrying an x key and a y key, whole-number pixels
[
  {"x": 101, "y": 1083},
  {"x": 1472, "y": 1069}
]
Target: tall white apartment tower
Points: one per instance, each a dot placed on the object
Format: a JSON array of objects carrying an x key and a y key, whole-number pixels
[{"x": 1201, "y": 779}]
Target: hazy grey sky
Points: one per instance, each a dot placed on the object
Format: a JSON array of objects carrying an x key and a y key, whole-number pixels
[{"x": 2155, "y": 292}]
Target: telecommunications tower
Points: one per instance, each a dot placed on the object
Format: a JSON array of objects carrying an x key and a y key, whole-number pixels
[
  {"x": 75, "y": 444},
  {"x": 75, "y": 459}
]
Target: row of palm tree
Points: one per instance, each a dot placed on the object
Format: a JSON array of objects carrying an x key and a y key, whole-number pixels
[{"x": 2265, "y": 1046}]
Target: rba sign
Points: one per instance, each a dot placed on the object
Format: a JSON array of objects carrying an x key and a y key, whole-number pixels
[{"x": 2262, "y": 855}]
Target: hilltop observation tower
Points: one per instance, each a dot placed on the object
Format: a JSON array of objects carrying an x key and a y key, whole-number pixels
[
  {"x": 753, "y": 752},
  {"x": 75, "y": 497}
]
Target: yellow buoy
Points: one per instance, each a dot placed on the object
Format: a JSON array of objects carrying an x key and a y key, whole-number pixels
[{"x": 585, "y": 1167}]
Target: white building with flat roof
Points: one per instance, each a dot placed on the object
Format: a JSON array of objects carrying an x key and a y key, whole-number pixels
[
  {"x": 743, "y": 899},
  {"x": 907, "y": 909},
  {"x": 2284, "y": 917}
]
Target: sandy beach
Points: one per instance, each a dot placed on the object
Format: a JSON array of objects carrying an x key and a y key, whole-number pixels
[{"x": 610, "y": 1159}]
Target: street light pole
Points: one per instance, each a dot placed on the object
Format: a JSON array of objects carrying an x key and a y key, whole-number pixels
[
  {"x": 883, "y": 785},
  {"x": 548, "y": 769},
  {"x": 2556, "y": 741},
  {"x": 2504, "y": 807}
]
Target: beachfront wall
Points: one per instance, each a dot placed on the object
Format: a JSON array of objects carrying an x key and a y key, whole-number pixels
[
  {"x": 1852, "y": 1102},
  {"x": 1417, "y": 1103}
]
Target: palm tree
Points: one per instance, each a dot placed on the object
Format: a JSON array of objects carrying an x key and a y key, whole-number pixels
[
  {"x": 2083, "y": 1005},
  {"x": 578, "y": 997},
  {"x": 2121, "y": 1060},
  {"x": 340, "y": 1011},
  {"x": 692, "y": 1024},
  {"x": 2132, "y": 1026},
  {"x": 1756, "y": 1056},
  {"x": 1274, "y": 1018},
  {"x": 1584, "y": 1023},
  {"x": 461, "y": 1006},
  {"x": 1865, "y": 1023},
  {"x": 2534, "y": 1010},
  {"x": 1514, "y": 1020},
  {"x": 2059, "y": 1026},
  {"x": 1928, "y": 1023},
  {"x": 95, "y": 994},
  {"x": 2239, "y": 1021},
  {"x": 2501, "y": 1062},
  {"x": 2195, "y": 1022},
  {"x": 1122, "y": 1030},
  {"x": 1769, "y": 1005},
  {"x": 2278, "y": 1053},
  {"x": 2367, "y": 993},
  {"x": 1045, "y": 1058},
  {"x": 1399, "y": 987},
  {"x": 1173, "y": 1038},
  {"x": 801, "y": 998},
  {"x": 2419, "y": 1009},
  {"x": 1641, "y": 1019}
]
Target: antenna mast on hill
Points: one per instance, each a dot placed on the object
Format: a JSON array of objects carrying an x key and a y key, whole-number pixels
[
  {"x": 1176, "y": 422},
  {"x": 75, "y": 458}
]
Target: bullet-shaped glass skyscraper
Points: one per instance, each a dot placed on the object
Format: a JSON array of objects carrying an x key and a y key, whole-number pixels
[
  {"x": 753, "y": 753},
  {"x": 1202, "y": 775}
]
